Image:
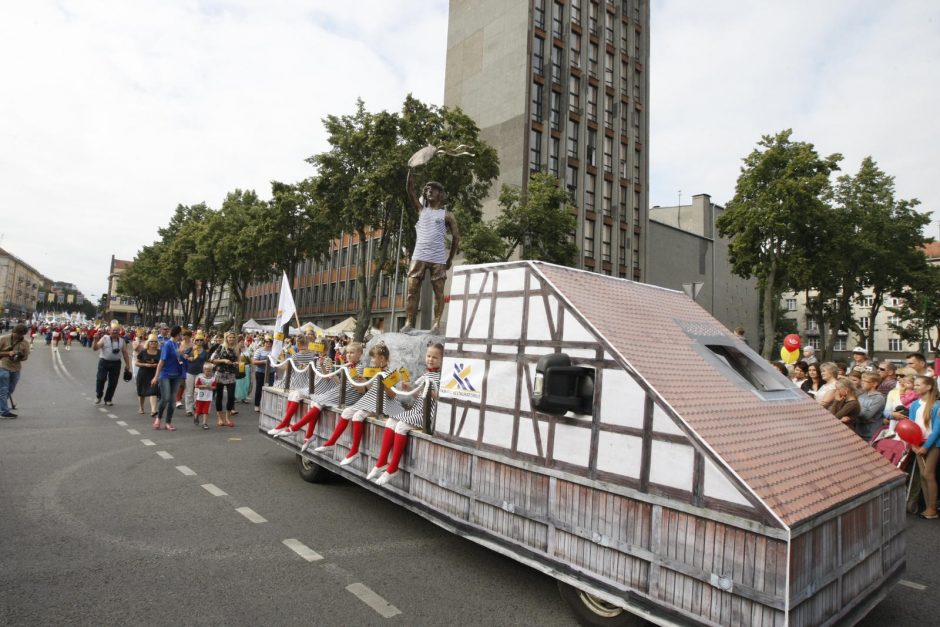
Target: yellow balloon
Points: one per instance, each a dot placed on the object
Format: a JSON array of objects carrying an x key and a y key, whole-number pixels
[{"x": 789, "y": 357}]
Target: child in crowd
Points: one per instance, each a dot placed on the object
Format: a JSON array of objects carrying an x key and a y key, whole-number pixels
[
  {"x": 365, "y": 406},
  {"x": 395, "y": 436},
  {"x": 204, "y": 390},
  {"x": 326, "y": 395}
]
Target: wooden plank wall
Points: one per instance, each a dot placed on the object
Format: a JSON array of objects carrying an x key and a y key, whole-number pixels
[{"x": 838, "y": 562}]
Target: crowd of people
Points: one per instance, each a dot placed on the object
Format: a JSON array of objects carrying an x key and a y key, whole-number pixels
[{"x": 870, "y": 398}]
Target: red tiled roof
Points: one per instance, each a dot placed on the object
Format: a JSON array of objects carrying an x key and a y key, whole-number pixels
[
  {"x": 794, "y": 455},
  {"x": 932, "y": 250}
]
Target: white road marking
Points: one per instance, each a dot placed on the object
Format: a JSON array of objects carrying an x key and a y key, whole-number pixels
[
  {"x": 370, "y": 598},
  {"x": 148, "y": 442},
  {"x": 302, "y": 550},
  {"x": 113, "y": 416},
  {"x": 911, "y": 584},
  {"x": 102, "y": 410},
  {"x": 65, "y": 371},
  {"x": 186, "y": 470},
  {"x": 164, "y": 455},
  {"x": 214, "y": 490},
  {"x": 133, "y": 431},
  {"x": 119, "y": 423},
  {"x": 251, "y": 515}
]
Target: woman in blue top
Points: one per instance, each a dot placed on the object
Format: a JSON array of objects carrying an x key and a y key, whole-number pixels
[
  {"x": 925, "y": 411},
  {"x": 170, "y": 373}
]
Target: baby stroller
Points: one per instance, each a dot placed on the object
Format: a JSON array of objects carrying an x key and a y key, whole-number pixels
[{"x": 899, "y": 453}]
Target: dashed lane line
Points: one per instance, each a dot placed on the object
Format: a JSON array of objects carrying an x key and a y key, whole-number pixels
[
  {"x": 214, "y": 490},
  {"x": 164, "y": 455},
  {"x": 133, "y": 431},
  {"x": 146, "y": 442},
  {"x": 911, "y": 584},
  {"x": 186, "y": 470},
  {"x": 251, "y": 515},
  {"x": 302, "y": 550},
  {"x": 102, "y": 410},
  {"x": 113, "y": 416},
  {"x": 370, "y": 598},
  {"x": 120, "y": 423}
]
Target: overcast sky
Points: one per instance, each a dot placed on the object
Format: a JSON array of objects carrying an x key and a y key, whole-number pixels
[{"x": 112, "y": 112}]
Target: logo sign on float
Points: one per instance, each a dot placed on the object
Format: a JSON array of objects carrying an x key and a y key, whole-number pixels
[{"x": 462, "y": 378}]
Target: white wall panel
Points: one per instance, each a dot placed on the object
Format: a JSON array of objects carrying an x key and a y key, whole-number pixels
[
  {"x": 471, "y": 425},
  {"x": 501, "y": 384},
  {"x": 512, "y": 280},
  {"x": 619, "y": 454},
  {"x": 717, "y": 486},
  {"x": 671, "y": 465},
  {"x": 572, "y": 444},
  {"x": 508, "y": 323},
  {"x": 526, "y": 439},
  {"x": 663, "y": 423},
  {"x": 497, "y": 429},
  {"x": 622, "y": 400}
]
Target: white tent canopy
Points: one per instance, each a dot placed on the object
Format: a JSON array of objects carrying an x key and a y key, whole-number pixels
[
  {"x": 252, "y": 325},
  {"x": 346, "y": 326}
]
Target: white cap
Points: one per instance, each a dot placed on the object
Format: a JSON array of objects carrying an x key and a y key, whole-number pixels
[{"x": 859, "y": 349}]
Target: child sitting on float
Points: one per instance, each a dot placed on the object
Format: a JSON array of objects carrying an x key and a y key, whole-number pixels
[
  {"x": 395, "y": 436},
  {"x": 365, "y": 406},
  {"x": 326, "y": 395}
]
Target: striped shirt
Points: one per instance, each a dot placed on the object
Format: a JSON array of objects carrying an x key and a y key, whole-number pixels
[{"x": 430, "y": 230}]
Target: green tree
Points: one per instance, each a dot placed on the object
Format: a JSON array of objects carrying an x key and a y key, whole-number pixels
[
  {"x": 918, "y": 314},
  {"x": 772, "y": 220},
  {"x": 360, "y": 180},
  {"x": 883, "y": 248},
  {"x": 539, "y": 220}
]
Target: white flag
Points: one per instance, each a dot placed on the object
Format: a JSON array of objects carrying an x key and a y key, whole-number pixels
[{"x": 285, "y": 311}]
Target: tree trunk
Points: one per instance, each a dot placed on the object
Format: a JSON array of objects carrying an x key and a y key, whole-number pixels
[{"x": 769, "y": 311}]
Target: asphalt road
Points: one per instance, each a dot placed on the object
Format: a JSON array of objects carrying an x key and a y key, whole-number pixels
[{"x": 105, "y": 521}]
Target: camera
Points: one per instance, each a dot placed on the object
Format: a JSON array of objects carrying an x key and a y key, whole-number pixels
[{"x": 17, "y": 356}]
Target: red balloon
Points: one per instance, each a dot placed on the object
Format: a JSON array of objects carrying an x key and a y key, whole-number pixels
[
  {"x": 791, "y": 342},
  {"x": 910, "y": 432}
]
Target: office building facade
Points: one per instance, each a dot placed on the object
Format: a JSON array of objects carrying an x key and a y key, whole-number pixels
[{"x": 561, "y": 86}]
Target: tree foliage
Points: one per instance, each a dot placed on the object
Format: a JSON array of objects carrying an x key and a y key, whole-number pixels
[
  {"x": 778, "y": 218},
  {"x": 539, "y": 220}
]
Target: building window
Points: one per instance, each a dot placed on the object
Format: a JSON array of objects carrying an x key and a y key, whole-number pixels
[
  {"x": 571, "y": 181},
  {"x": 840, "y": 344},
  {"x": 574, "y": 94},
  {"x": 791, "y": 304},
  {"x": 894, "y": 344},
  {"x": 622, "y": 199},
  {"x": 592, "y": 59},
  {"x": 605, "y": 242},
  {"x": 608, "y": 111},
  {"x": 540, "y": 14},
  {"x": 558, "y": 11},
  {"x": 354, "y": 254},
  {"x": 622, "y": 248},
  {"x": 609, "y": 28},
  {"x": 812, "y": 324},
  {"x": 554, "y": 119},
  {"x": 572, "y": 139},
  {"x": 342, "y": 257},
  {"x": 624, "y": 78},
  {"x": 623, "y": 163},
  {"x": 592, "y": 17},
  {"x": 589, "y": 186},
  {"x": 867, "y": 300},
  {"x": 609, "y": 69},
  {"x": 608, "y": 197},
  {"x": 537, "y": 102},
  {"x": 574, "y": 43},
  {"x": 589, "y": 238},
  {"x": 591, "y": 156},
  {"x": 894, "y": 319},
  {"x": 863, "y": 323},
  {"x": 538, "y": 56},
  {"x": 576, "y": 11},
  {"x": 386, "y": 285},
  {"x": 636, "y": 45},
  {"x": 636, "y": 167},
  {"x": 592, "y": 102},
  {"x": 813, "y": 341},
  {"x": 608, "y": 154},
  {"x": 556, "y": 64},
  {"x": 636, "y": 208},
  {"x": 535, "y": 151},
  {"x": 553, "y": 147},
  {"x": 636, "y": 258}
]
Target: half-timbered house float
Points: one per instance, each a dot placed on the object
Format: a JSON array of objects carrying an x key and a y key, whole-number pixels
[{"x": 617, "y": 437}]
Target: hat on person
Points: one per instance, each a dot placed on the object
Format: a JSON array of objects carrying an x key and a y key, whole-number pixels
[
  {"x": 152, "y": 338},
  {"x": 860, "y": 349},
  {"x": 200, "y": 335}
]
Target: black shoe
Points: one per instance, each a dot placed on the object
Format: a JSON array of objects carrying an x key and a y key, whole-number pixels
[
  {"x": 108, "y": 403},
  {"x": 98, "y": 401},
  {"x": 9, "y": 414}
]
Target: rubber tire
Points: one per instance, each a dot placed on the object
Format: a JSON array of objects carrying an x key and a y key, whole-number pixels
[
  {"x": 589, "y": 617},
  {"x": 311, "y": 471}
]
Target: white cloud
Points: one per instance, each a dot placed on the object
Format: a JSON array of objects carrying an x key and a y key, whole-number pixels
[
  {"x": 116, "y": 112},
  {"x": 856, "y": 77}
]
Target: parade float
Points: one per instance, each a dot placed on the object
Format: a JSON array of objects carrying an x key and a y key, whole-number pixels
[{"x": 616, "y": 437}]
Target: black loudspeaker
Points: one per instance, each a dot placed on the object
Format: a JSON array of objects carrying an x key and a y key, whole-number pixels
[{"x": 560, "y": 387}]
